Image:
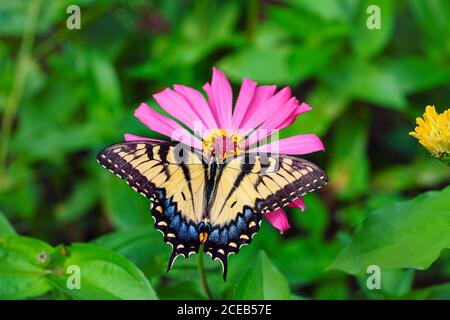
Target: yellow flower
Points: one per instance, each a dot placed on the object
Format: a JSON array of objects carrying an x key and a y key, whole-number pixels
[{"x": 433, "y": 132}]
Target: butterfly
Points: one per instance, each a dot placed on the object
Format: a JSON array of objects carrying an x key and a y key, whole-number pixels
[{"x": 198, "y": 201}]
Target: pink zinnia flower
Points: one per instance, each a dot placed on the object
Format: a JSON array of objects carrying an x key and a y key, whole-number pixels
[{"x": 217, "y": 127}]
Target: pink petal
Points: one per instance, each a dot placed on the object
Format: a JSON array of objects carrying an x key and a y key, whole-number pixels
[
  {"x": 198, "y": 105},
  {"x": 223, "y": 97},
  {"x": 278, "y": 219},
  {"x": 298, "y": 203},
  {"x": 177, "y": 106},
  {"x": 212, "y": 105},
  {"x": 132, "y": 137},
  {"x": 220, "y": 98},
  {"x": 244, "y": 100},
  {"x": 300, "y": 144},
  {"x": 286, "y": 115},
  {"x": 299, "y": 110},
  {"x": 261, "y": 95},
  {"x": 268, "y": 109},
  {"x": 271, "y": 125},
  {"x": 166, "y": 126}
]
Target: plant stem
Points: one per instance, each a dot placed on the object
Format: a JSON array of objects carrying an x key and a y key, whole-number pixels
[
  {"x": 19, "y": 81},
  {"x": 201, "y": 271}
]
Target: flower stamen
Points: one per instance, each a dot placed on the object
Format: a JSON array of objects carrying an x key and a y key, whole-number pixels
[{"x": 222, "y": 143}]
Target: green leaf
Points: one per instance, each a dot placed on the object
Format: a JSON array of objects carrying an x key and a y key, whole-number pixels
[
  {"x": 327, "y": 103},
  {"x": 433, "y": 17},
  {"x": 396, "y": 283},
  {"x": 417, "y": 73},
  {"x": 14, "y": 16},
  {"x": 422, "y": 172},
  {"x": 143, "y": 245},
  {"x": 303, "y": 24},
  {"x": 407, "y": 234},
  {"x": 332, "y": 289},
  {"x": 104, "y": 75},
  {"x": 83, "y": 197},
  {"x": 184, "y": 290},
  {"x": 259, "y": 64},
  {"x": 315, "y": 219},
  {"x": 334, "y": 8},
  {"x": 23, "y": 267},
  {"x": 438, "y": 292},
  {"x": 290, "y": 258},
  {"x": 104, "y": 274},
  {"x": 361, "y": 80},
  {"x": 5, "y": 227},
  {"x": 349, "y": 167},
  {"x": 262, "y": 281},
  {"x": 368, "y": 42},
  {"x": 123, "y": 206}
]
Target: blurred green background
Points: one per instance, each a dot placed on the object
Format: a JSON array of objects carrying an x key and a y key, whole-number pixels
[{"x": 66, "y": 94}]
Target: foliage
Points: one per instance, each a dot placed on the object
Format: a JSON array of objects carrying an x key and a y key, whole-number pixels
[{"x": 65, "y": 94}]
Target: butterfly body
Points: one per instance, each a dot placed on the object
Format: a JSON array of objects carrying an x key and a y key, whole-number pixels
[{"x": 215, "y": 203}]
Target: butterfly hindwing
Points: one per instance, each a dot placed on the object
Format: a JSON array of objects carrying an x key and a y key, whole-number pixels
[
  {"x": 180, "y": 233},
  {"x": 228, "y": 239}
]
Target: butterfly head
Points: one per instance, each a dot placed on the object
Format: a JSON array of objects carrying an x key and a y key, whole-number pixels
[{"x": 222, "y": 143}]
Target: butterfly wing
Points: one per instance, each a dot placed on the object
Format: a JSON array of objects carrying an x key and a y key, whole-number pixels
[
  {"x": 174, "y": 181},
  {"x": 249, "y": 186}
]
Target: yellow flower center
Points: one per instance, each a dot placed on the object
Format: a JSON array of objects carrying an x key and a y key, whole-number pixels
[
  {"x": 221, "y": 143},
  {"x": 433, "y": 132}
]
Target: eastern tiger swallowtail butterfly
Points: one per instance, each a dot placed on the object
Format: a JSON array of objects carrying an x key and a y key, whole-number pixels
[{"x": 217, "y": 204}]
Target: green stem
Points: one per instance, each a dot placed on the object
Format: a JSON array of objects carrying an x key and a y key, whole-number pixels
[
  {"x": 201, "y": 271},
  {"x": 13, "y": 101}
]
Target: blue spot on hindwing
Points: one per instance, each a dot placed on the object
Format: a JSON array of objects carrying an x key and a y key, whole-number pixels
[
  {"x": 183, "y": 232},
  {"x": 240, "y": 225},
  {"x": 247, "y": 213},
  {"x": 192, "y": 233},
  {"x": 223, "y": 240},
  {"x": 232, "y": 232},
  {"x": 214, "y": 236},
  {"x": 175, "y": 222}
]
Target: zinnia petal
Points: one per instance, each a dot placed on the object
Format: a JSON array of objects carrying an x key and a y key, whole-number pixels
[
  {"x": 177, "y": 106},
  {"x": 244, "y": 99},
  {"x": 268, "y": 109},
  {"x": 220, "y": 98},
  {"x": 166, "y": 126},
  {"x": 132, "y": 137},
  {"x": 261, "y": 95},
  {"x": 286, "y": 115},
  {"x": 300, "y": 144},
  {"x": 298, "y": 203},
  {"x": 299, "y": 109},
  {"x": 278, "y": 219},
  {"x": 198, "y": 105}
]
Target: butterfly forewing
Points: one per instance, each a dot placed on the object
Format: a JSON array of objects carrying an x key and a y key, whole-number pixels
[{"x": 173, "y": 185}]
